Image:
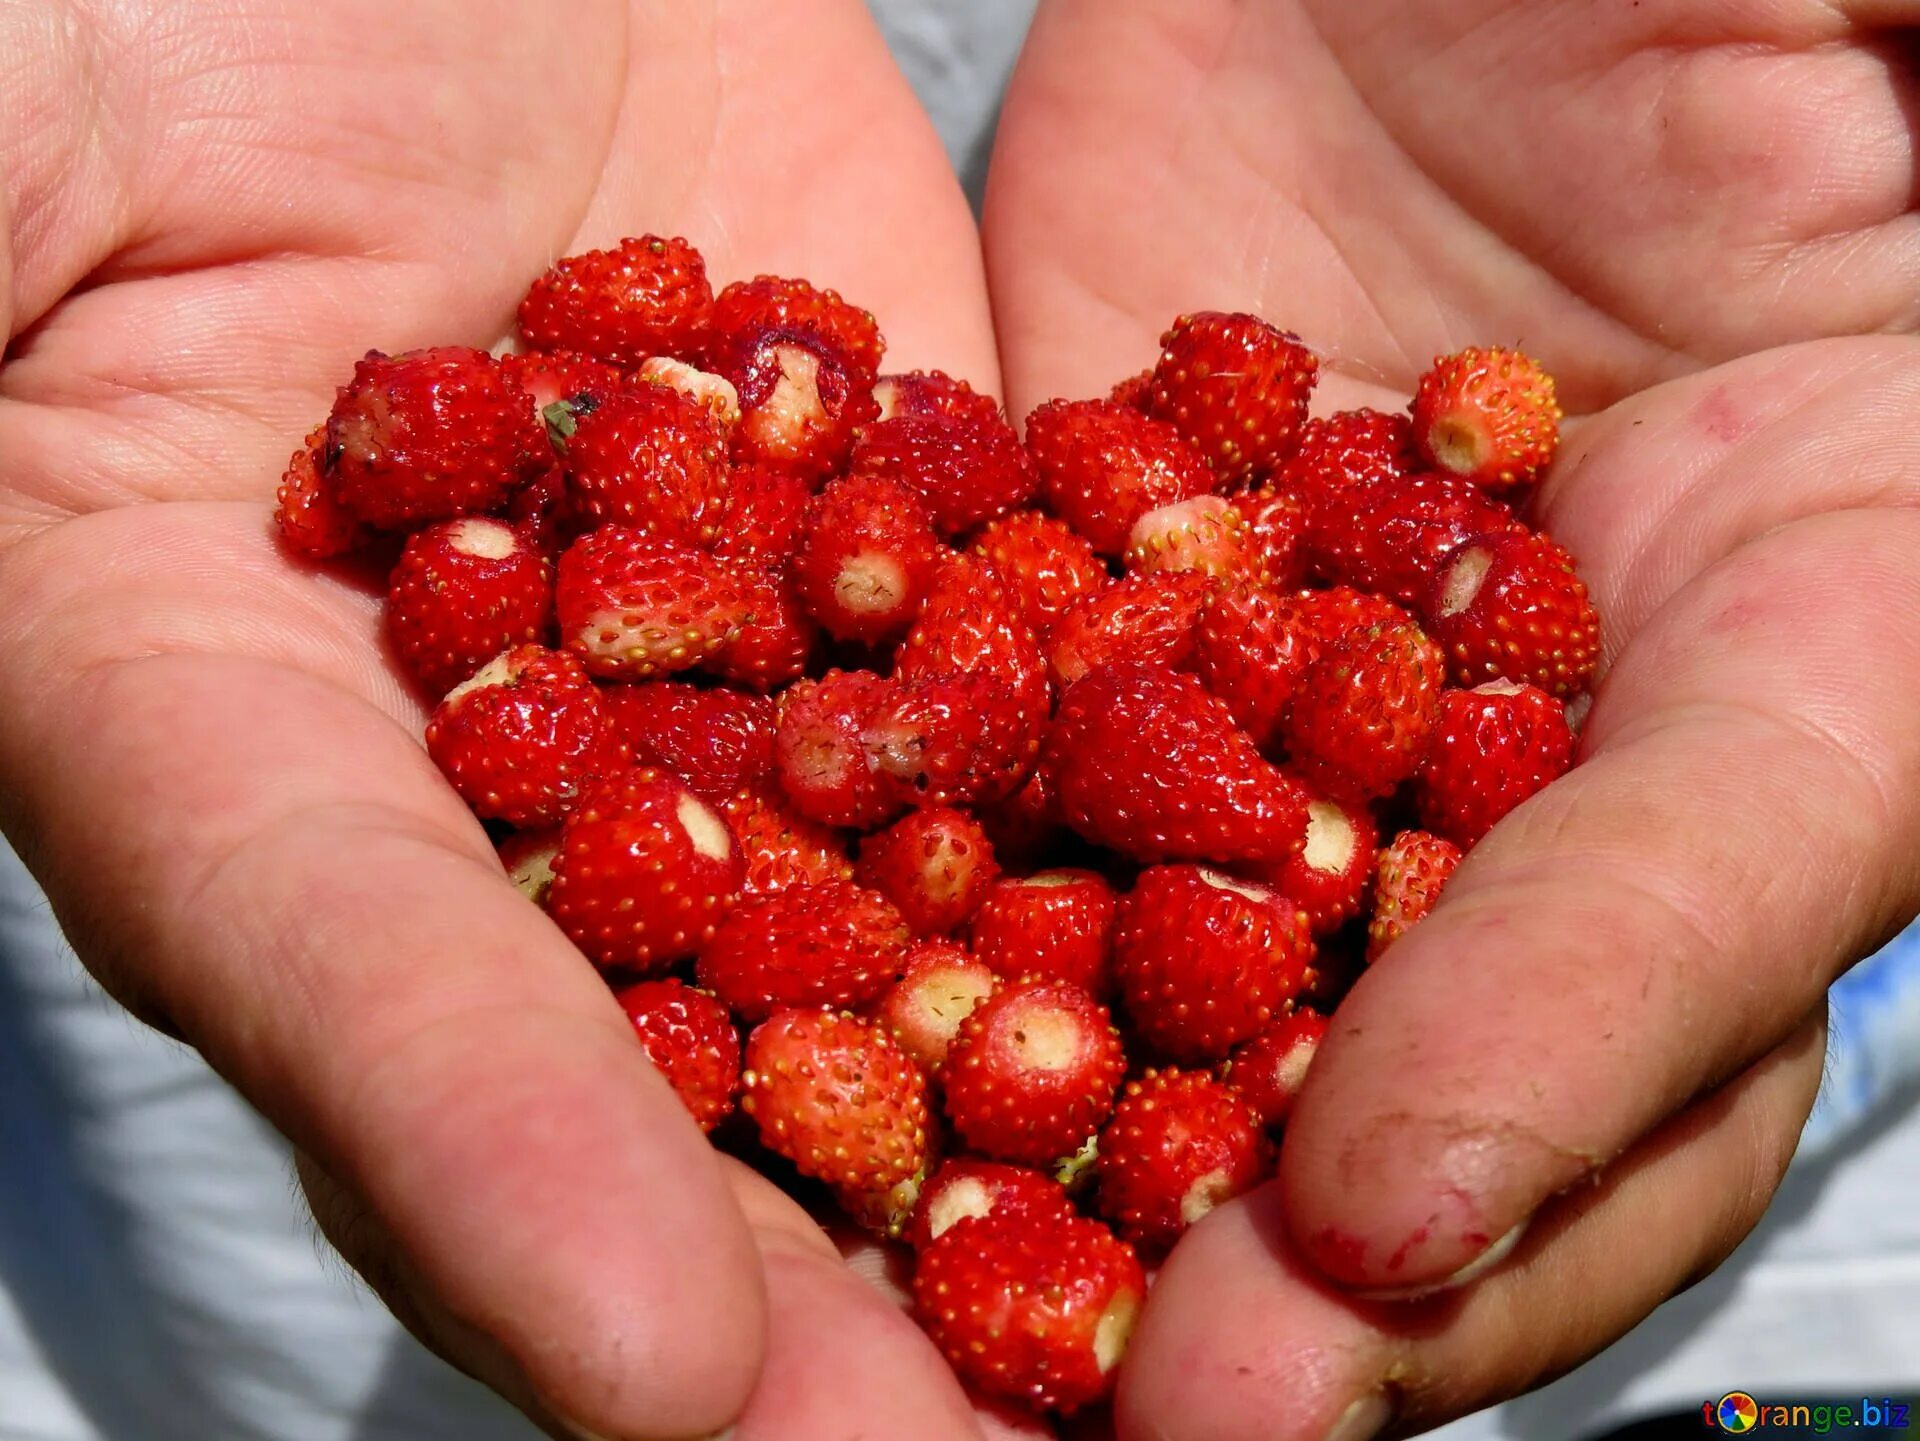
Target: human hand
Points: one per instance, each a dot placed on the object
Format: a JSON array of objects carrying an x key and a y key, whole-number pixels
[{"x": 1702, "y": 219}]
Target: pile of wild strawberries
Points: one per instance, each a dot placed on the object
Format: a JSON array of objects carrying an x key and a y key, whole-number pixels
[{"x": 1020, "y": 800}]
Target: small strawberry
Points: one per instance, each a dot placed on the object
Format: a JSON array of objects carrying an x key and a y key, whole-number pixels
[
  {"x": 1412, "y": 872},
  {"x": 965, "y": 1189},
  {"x": 651, "y": 460},
  {"x": 1330, "y": 615},
  {"x": 1509, "y": 607},
  {"x": 312, "y": 518},
  {"x": 1351, "y": 448},
  {"x": 933, "y": 393},
  {"x": 1236, "y": 388},
  {"x": 821, "y": 753},
  {"x": 966, "y": 471},
  {"x": 1268, "y": 1071},
  {"x": 1392, "y": 536},
  {"x": 712, "y": 393},
  {"x": 430, "y": 435},
  {"x": 1493, "y": 746},
  {"x": 838, "y": 1097},
  {"x": 578, "y": 384},
  {"x": 831, "y": 944},
  {"x": 1205, "y": 534},
  {"x": 1247, "y": 652},
  {"x": 771, "y": 302},
  {"x": 1328, "y": 879},
  {"x": 1135, "y": 392},
  {"x": 1103, "y": 466},
  {"x": 635, "y": 606},
  {"x": 1205, "y": 961},
  {"x": 1178, "y": 1145},
  {"x": 1148, "y": 764},
  {"x": 463, "y": 591},
  {"x": 1276, "y": 534},
  {"x": 801, "y": 400},
  {"x": 938, "y": 988},
  {"x": 691, "y": 1040},
  {"x": 782, "y": 848},
  {"x": 766, "y": 516},
  {"x": 645, "y": 871},
  {"x": 867, "y": 560},
  {"x": 776, "y": 636},
  {"x": 948, "y": 740},
  {"x": 935, "y": 865},
  {"x": 717, "y": 741},
  {"x": 1362, "y": 713},
  {"x": 527, "y": 857},
  {"x": 1036, "y": 1308},
  {"x": 1487, "y": 416},
  {"x": 542, "y": 511},
  {"x": 1025, "y": 827},
  {"x": 1148, "y": 618},
  {"x": 1043, "y": 566},
  {"x": 522, "y": 738},
  {"x": 968, "y": 626},
  {"x": 1052, "y": 926},
  {"x": 646, "y": 296}
]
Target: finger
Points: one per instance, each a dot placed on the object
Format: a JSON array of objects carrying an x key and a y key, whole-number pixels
[
  {"x": 1300, "y": 1359},
  {"x": 1744, "y": 825},
  {"x": 261, "y": 856}
]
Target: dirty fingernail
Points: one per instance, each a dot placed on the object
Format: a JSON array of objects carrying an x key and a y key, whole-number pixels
[
  {"x": 1364, "y": 1418},
  {"x": 1472, "y": 1271}
]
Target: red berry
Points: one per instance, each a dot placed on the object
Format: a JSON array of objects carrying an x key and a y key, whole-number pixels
[
  {"x": 937, "y": 990},
  {"x": 935, "y": 865},
  {"x": 1103, "y": 466},
  {"x": 1037, "y": 1308},
  {"x": 312, "y": 518},
  {"x": 867, "y": 560},
  {"x": 966, "y": 471},
  {"x": 968, "y": 626},
  {"x": 1329, "y": 615},
  {"x": 542, "y": 511},
  {"x": 782, "y": 848},
  {"x": 520, "y": 740},
  {"x": 1205, "y": 961},
  {"x": 1351, "y": 448},
  {"x": 1268, "y": 1071},
  {"x": 1204, "y": 534},
  {"x": 838, "y": 1097},
  {"x": 1412, "y": 872},
  {"x": 1236, "y": 388},
  {"x": 1362, "y": 713},
  {"x": 1148, "y": 618},
  {"x": 1509, "y": 607},
  {"x": 579, "y": 384},
  {"x": 776, "y": 637},
  {"x": 527, "y": 857},
  {"x": 1488, "y": 416},
  {"x": 820, "y": 749},
  {"x": 1328, "y": 879},
  {"x": 1041, "y": 564},
  {"x": 832, "y": 944},
  {"x": 1053, "y": 926},
  {"x": 1032, "y": 1071},
  {"x": 771, "y": 302},
  {"x": 966, "y": 1189},
  {"x": 1493, "y": 746},
  {"x": 1178, "y": 1145},
  {"x": 718, "y": 741},
  {"x": 766, "y": 516},
  {"x": 1135, "y": 392},
  {"x": 712, "y": 393},
  {"x": 690, "y": 1038},
  {"x": 430, "y": 435},
  {"x": 635, "y": 606},
  {"x": 651, "y": 460},
  {"x": 463, "y": 591},
  {"x": 1026, "y": 825},
  {"x": 1148, "y": 764},
  {"x": 1276, "y": 534},
  {"x": 645, "y": 871},
  {"x": 933, "y": 393},
  {"x": 801, "y": 400},
  {"x": 1249, "y": 653},
  {"x": 646, "y": 296},
  {"x": 1391, "y": 537},
  {"x": 945, "y": 740}
]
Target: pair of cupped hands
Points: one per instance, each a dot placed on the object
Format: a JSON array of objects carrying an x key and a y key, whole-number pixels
[{"x": 1701, "y": 216}]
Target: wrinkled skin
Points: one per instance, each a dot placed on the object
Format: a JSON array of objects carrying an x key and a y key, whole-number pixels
[{"x": 1701, "y": 214}]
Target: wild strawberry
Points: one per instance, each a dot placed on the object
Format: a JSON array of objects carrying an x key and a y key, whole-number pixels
[
  {"x": 867, "y": 560},
  {"x": 1135, "y": 392},
  {"x": 766, "y": 516},
  {"x": 635, "y": 606},
  {"x": 430, "y": 435},
  {"x": 938, "y": 988},
  {"x": 887, "y": 1211},
  {"x": 1351, "y": 448},
  {"x": 838, "y": 1097},
  {"x": 1276, "y": 534},
  {"x": 945, "y": 740},
  {"x": 1411, "y": 874},
  {"x": 646, "y": 296},
  {"x": 1332, "y": 614},
  {"x": 1362, "y": 713},
  {"x": 717, "y": 741},
  {"x": 542, "y": 511},
  {"x": 1024, "y": 827},
  {"x": 1248, "y": 653},
  {"x": 1178, "y": 1145},
  {"x": 1488, "y": 416},
  {"x": 577, "y": 384},
  {"x": 935, "y": 865},
  {"x": 1148, "y": 764},
  {"x": 691, "y": 1040},
  {"x": 1390, "y": 537},
  {"x": 965, "y": 1189},
  {"x": 1103, "y": 466},
  {"x": 776, "y": 637},
  {"x": 1037, "y": 1308},
  {"x": 651, "y": 460},
  {"x": 1509, "y": 607},
  {"x": 967, "y": 471},
  {"x": 832, "y": 944},
  {"x": 781, "y": 847},
  {"x": 1328, "y": 879},
  {"x": 1051, "y": 926},
  {"x": 801, "y": 400},
  {"x": 521, "y": 738},
  {"x": 933, "y": 393},
  {"x": 771, "y": 302},
  {"x": 312, "y": 518},
  {"x": 645, "y": 871},
  {"x": 1205, "y": 961},
  {"x": 1146, "y": 618},
  {"x": 1236, "y": 388},
  {"x": 1493, "y": 746},
  {"x": 1043, "y": 566},
  {"x": 463, "y": 591},
  {"x": 1268, "y": 1071},
  {"x": 820, "y": 749},
  {"x": 712, "y": 393},
  {"x": 968, "y": 626},
  {"x": 527, "y": 857},
  {"x": 1204, "y": 534}
]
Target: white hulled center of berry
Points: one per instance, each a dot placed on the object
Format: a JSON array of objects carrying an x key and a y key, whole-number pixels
[
  {"x": 963, "y": 1200},
  {"x": 1204, "y": 1194},
  {"x": 1291, "y": 1069},
  {"x": 1458, "y": 444},
  {"x": 707, "y": 832},
  {"x": 1239, "y": 888},
  {"x": 1046, "y": 1041},
  {"x": 483, "y": 539},
  {"x": 870, "y": 583},
  {"x": 1464, "y": 578},
  {"x": 1111, "y": 1331},
  {"x": 498, "y": 671},
  {"x": 1329, "y": 837},
  {"x": 1047, "y": 880}
]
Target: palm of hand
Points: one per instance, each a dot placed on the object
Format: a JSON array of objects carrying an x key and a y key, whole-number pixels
[{"x": 214, "y": 727}]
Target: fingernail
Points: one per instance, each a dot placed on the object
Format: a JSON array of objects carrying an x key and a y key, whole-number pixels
[
  {"x": 1364, "y": 1418},
  {"x": 1472, "y": 1271}
]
